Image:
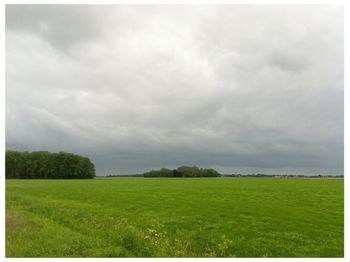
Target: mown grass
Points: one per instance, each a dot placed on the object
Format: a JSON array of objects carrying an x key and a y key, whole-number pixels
[{"x": 136, "y": 217}]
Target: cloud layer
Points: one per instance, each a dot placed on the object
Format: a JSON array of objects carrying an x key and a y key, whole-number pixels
[{"x": 139, "y": 87}]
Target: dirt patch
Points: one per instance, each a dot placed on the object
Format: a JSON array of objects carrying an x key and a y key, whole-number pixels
[{"x": 14, "y": 219}]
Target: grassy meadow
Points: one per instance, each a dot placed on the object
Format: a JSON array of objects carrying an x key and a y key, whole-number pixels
[{"x": 203, "y": 217}]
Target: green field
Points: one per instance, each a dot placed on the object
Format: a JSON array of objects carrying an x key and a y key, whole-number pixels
[{"x": 203, "y": 217}]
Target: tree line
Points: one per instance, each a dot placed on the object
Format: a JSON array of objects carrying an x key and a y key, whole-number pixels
[
  {"x": 43, "y": 164},
  {"x": 183, "y": 171}
]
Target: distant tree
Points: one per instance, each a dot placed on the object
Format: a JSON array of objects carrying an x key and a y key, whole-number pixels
[
  {"x": 210, "y": 173},
  {"x": 176, "y": 173},
  {"x": 188, "y": 171},
  {"x": 42, "y": 164},
  {"x": 12, "y": 164},
  {"x": 39, "y": 164},
  {"x": 152, "y": 173},
  {"x": 165, "y": 172},
  {"x": 183, "y": 171}
]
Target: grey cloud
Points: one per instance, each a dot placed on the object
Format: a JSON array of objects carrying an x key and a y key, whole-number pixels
[
  {"x": 62, "y": 26},
  {"x": 138, "y": 87}
]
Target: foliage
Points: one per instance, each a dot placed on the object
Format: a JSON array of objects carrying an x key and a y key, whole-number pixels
[
  {"x": 183, "y": 171},
  {"x": 43, "y": 164}
]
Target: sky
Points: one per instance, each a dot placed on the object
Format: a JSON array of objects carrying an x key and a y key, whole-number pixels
[{"x": 237, "y": 88}]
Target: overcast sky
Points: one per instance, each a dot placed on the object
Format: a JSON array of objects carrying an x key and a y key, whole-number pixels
[{"x": 252, "y": 88}]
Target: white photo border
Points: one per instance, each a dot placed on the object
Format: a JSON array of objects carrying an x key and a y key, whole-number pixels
[{"x": 346, "y": 6}]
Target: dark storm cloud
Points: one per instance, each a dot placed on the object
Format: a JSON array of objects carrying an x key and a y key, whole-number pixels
[{"x": 138, "y": 87}]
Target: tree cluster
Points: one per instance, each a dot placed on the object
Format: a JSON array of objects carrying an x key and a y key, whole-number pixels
[
  {"x": 183, "y": 171},
  {"x": 281, "y": 176},
  {"x": 43, "y": 164}
]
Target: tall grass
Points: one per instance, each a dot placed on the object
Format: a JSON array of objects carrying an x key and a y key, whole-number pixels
[{"x": 139, "y": 217}]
